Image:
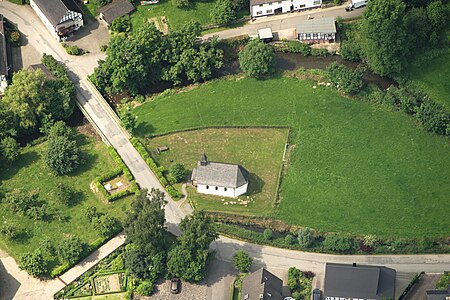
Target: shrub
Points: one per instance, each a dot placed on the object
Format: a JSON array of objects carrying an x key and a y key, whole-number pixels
[
  {"x": 297, "y": 47},
  {"x": 10, "y": 231},
  {"x": 90, "y": 213},
  {"x": 9, "y": 148},
  {"x": 443, "y": 281},
  {"x": 289, "y": 239},
  {"x": 433, "y": 117},
  {"x": 242, "y": 261},
  {"x": 267, "y": 234},
  {"x": 297, "y": 295},
  {"x": 338, "y": 243},
  {"x": 20, "y": 201},
  {"x": 122, "y": 24},
  {"x": 181, "y": 3},
  {"x": 305, "y": 237},
  {"x": 319, "y": 52},
  {"x": 59, "y": 270},
  {"x": 178, "y": 172},
  {"x": 14, "y": 37},
  {"x": 64, "y": 193},
  {"x": 33, "y": 263},
  {"x": 70, "y": 250},
  {"x": 223, "y": 12},
  {"x": 344, "y": 79},
  {"x": 106, "y": 225},
  {"x": 370, "y": 240},
  {"x": 257, "y": 59},
  {"x": 351, "y": 50},
  {"x": 62, "y": 154},
  {"x": 72, "y": 50},
  {"x": 145, "y": 288},
  {"x": 103, "y": 48}
]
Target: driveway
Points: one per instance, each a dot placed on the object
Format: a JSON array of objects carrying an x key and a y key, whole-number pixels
[
  {"x": 427, "y": 282},
  {"x": 91, "y": 37}
]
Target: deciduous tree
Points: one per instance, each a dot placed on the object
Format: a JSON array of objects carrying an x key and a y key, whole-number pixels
[{"x": 256, "y": 59}]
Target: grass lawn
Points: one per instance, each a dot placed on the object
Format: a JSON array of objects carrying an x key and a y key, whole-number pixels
[
  {"x": 354, "y": 167},
  {"x": 262, "y": 157},
  {"x": 176, "y": 17},
  {"x": 31, "y": 173}
]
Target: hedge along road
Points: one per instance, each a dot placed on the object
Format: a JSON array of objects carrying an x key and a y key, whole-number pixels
[{"x": 80, "y": 67}]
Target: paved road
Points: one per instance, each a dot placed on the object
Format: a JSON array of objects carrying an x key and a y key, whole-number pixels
[{"x": 285, "y": 21}]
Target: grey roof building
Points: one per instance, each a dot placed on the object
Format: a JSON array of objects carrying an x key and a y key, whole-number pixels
[
  {"x": 359, "y": 282},
  {"x": 262, "y": 285},
  {"x": 439, "y": 294},
  {"x": 114, "y": 10},
  {"x": 4, "y": 68},
  {"x": 316, "y": 30}
]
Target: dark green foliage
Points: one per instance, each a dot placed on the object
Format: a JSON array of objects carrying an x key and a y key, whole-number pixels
[
  {"x": 62, "y": 154},
  {"x": 145, "y": 288},
  {"x": 289, "y": 239},
  {"x": 437, "y": 17},
  {"x": 90, "y": 213},
  {"x": 383, "y": 29},
  {"x": 242, "y": 261},
  {"x": 181, "y": 3},
  {"x": 127, "y": 118},
  {"x": 296, "y": 47},
  {"x": 267, "y": 234},
  {"x": 106, "y": 225},
  {"x": 223, "y": 12},
  {"x": 33, "y": 263},
  {"x": 256, "y": 59},
  {"x": 305, "y": 237},
  {"x": 72, "y": 50},
  {"x": 103, "y": 2},
  {"x": 20, "y": 201},
  {"x": 344, "y": 79},
  {"x": 70, "y": 250},
  {"x": 9, "y": 148},
  {"x": 443, "y": 281},
  {"x": 14, "y": 37},
  {"x": 64, "y": 193},
  {"x": 10, "y": 231},
  {"x": 122, "y": 24},
  {"x": 433, "y": 117},
  {"x": 178, "y": 172},
  {"x": 351, "y": 50},
  {"x": 188, "y": 259},
  {"x": 319, "y": 52},
  {"x": 338, "y": 243}
]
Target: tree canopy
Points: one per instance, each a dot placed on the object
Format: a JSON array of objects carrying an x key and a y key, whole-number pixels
[{"x": 256, "y": 59}]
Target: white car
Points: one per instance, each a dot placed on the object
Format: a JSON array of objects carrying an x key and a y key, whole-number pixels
[{"x": 288, "y": 298}]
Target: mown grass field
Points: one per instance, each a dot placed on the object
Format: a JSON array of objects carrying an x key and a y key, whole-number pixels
[
  {"x": 259, "y": 150},
  {"x": 31, "y": 173},
  {"x": 354, "y": 168}
]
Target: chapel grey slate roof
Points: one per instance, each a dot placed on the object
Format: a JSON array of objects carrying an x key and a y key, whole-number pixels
[
  {"x": 258, "y": 2},
  {"x": 55, "y": 10},
  {"x": 262, "y": 282},
  {"x": 3, "y": 51},
  {"x": 322, "y": 25},
  {"x": 363, "y": 282},
  {"x": 438, "y": 294},
  {"x": 220, "y": 174},
  {"x": 116, "y": 9}
]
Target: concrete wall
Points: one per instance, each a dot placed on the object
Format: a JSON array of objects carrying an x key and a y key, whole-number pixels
[{"x": 221, "y": 191}]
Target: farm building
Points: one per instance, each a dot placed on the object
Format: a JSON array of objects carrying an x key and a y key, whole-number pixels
[
  {"x": 260, "y": 8},
  {"x": 262, "y": 285},
  {"x": 114, "y": 10},
  {"x": 61, "y": 17},
  {"x": 358, "y": 282},
  {"x": 219, "y": 179},
  {"x": 4, "y": 68},
  {"x": 317, "y": 30}
]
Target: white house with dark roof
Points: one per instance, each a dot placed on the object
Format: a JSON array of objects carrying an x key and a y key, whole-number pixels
[
  {"x": 60, "y": 17},
  {"x": 214, "y": 178},
  {"x": 316, "y": 30},
  {"x": 259, "y": 8},
  {"x": 114, "y": 10}
]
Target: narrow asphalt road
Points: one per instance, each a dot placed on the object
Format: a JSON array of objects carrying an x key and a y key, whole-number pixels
[{"x": 80, "y": 67}]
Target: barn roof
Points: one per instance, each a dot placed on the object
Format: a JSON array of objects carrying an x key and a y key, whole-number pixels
[
  {"x": 116, "y": 9},
  {"x": 55, "y": 10},
  {"x": 323, "y": 25}
]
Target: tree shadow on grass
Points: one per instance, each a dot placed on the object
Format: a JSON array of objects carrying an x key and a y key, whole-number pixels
[
  {"x": 10, "y": 169},
  {"x": 87, "y": 161},
  {"x": 255, "y": 184},
  {"x": 144, "y": 130}
]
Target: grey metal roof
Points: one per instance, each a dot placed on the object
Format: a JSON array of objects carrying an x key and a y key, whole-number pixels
[
  {"x": 3, "y": 53},
  {"x": 55, "y": 10},
  {"x": 116, "y": 9},
  {"x": 323, "y": 25},
  {"x": 262, "y": 282},
  {"x": 220, "y": 174},
  {"x": 363, "y": 282},
  {"x": 438, "y": 294}
]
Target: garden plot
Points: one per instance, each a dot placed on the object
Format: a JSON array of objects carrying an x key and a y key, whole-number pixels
[{"x": 109, "y": 283}]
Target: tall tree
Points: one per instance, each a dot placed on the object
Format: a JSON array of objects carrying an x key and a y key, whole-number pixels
[
  {"x": 384, "y": 35},
  {"x": 223, "y": 11},
  {"x": 256, "y": 59}
]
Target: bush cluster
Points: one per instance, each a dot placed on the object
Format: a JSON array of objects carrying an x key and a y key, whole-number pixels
[
  {"x": 103, "y": 223},
  {"x": 300, "y": 283},
  {"x": 345, "y": 79},
  {"x": 302, "y": 48}
]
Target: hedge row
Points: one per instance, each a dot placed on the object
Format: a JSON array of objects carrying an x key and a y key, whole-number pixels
[
  {"x": 120, "y": 163},
  {"x": 159, "y": 171}
]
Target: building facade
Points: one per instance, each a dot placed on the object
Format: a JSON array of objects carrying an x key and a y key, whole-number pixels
[
  {"x": 220, "y": 179},
  {"x": 60, "y": 17},
  {"x": 316, "y": 31},
  {"x": 259, "y": 8}
]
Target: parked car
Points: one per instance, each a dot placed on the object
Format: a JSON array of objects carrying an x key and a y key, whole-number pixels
[
  {"x": 288, "y": 298},
  {"x": 175, "y": 285},
  {"x": 316, "y": 294}
]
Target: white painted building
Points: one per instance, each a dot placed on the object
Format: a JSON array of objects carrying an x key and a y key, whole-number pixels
[
  {"x": 4, "y": 67},
  {"x": 220, "y": 179},
  {"x": 260, "y": 8},
  {"x": 60, "y": 17}
]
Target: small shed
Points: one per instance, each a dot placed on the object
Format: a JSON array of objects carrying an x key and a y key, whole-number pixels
[
  {"x": 265, "y": 34},
  {"x": 316, "y": 30},
  {"x": 114, "y": 10}
]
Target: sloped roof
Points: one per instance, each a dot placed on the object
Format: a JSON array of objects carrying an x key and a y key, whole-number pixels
[
  {"x": 323, "y": 25},
  {"x": 43, "y": 68},
  {"x": 3, "y": 53},
  {"x": 116, "y": 9},
  {"x": 262, "y": 282},
  {"x": 363, "y": 282},
  {"x": 438, "y": 294},
  {"x": 220, "y": 174},
  {"x": 258, "y": 2},
  {"x": 55, "y": 10}
]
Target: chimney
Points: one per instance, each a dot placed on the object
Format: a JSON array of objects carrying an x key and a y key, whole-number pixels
[
  {"x": 203, "y": 160},
  {"x": 354, "y": 264}
]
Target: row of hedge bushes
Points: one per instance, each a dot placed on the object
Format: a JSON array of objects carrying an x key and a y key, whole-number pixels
[
  {"x": 299, "y": 47},
  {"x": 333, "y": 242},
  {"x": 120, "y": 163},
  {"x": 159, "y": 171}
]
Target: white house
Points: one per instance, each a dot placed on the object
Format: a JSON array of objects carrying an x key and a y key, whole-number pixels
[
  {"x": 4, "y": 68},
  {"x": 61, "y": 17},
  {"x": 219, "y": 179},
  {"x": 260, "y": 8}
]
